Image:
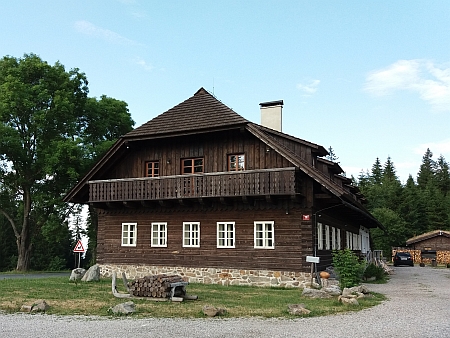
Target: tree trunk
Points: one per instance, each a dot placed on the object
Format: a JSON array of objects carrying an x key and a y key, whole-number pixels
[{"x": 24, "y": 240}]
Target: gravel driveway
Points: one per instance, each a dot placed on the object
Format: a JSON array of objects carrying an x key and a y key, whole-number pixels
[{"x": 418, "y": 306}]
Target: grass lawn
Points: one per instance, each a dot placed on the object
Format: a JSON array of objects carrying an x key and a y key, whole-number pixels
[{"x": 95, "y": 298}]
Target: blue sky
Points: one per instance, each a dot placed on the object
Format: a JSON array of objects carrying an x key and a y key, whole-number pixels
[{"x": 368, "y": 78}]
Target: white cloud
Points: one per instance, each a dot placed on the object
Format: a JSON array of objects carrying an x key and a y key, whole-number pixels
[
  {"x": 437, "y": 148},
  {"x": 87, "y": 28},
  {"x": 431, "y": 82},
  {"x": 309, "y": 88},
  {"x": 141, "y": 62}
]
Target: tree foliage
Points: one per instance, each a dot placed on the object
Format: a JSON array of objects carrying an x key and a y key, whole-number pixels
[
  {"x": 51, "y": 132},
  {"x": 409, "y": 209}
]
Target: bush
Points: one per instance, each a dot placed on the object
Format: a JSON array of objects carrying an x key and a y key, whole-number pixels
[
  {"x": 348, "y": 268},
  {"x": 373, "y": 270}
]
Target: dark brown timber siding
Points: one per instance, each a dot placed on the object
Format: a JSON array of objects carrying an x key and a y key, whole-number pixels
[{"x": 293, "y": 240}]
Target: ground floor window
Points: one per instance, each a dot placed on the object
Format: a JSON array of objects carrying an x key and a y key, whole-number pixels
[
  {"x": 159, "y": 235},
  {"x": 129, "y": 234},
  {"x": 225, "y": 234},
  {"x": 191, "y": 234},
  {"x": 264, "y": 235},
  {"x": 319, "y": 236}
]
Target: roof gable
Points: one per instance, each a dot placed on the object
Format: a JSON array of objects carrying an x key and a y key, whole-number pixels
[
  {"x": 428, "y": 235},
  {"x": 200, "y": 111}
]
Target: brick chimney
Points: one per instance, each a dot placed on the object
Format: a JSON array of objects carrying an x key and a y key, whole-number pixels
[{"x": 271, "y": 114}]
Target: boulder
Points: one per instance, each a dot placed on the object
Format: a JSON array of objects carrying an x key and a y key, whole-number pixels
[
  {"x": 92, "y": 275},
  {"x": 212, "y": 311},
  {"x": 348, "y": 300},
  {"x": 333, "y": 290},
  {"x": 298, "y": 309},
  {"x": 40, "y": 306},
  {"x": 123, "y": 308},
  {"x": 356, "y": 290},
  {"x": 77, "y": 274},
  {"x": 313, "y": 293}
]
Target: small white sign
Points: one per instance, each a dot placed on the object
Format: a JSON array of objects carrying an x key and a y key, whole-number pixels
[{"x": 312, "y": 259}]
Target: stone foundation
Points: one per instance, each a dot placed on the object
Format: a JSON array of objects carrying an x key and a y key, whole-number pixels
[{"x": 214, "y": 276}]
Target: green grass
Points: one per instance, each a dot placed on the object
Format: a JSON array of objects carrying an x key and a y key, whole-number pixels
[{"x": 68, "y": 298}]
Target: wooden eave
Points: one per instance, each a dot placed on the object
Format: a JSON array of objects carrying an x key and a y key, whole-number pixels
[
  {"x": 428, "y": 235},
  {"x": 347, "y": 199},
  {"x": 316, "y": 148},
  {"x": 82, "y": 183}
]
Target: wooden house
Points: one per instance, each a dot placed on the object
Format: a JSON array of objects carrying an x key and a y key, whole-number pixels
[
  {"x": 202, "y": 192},
  {"x": 430, "y": 247}
]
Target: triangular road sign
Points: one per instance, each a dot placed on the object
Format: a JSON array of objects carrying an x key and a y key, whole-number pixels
[{"x": 79, "y": 247}]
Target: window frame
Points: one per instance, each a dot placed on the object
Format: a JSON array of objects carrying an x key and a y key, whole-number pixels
[
  {"x": 194, "y": 241},
  {"x": 319, "y": 236},
  {"x": 152, "y": 169},
  {"x": 327, "y": 237},
  {"x": 264, "y": 232},
  {"x": 159, "y": 225},
  {"x": 128, "y": 231},
  {"x": 237, "y": 162},
  {"x": 226, "y": 237},
  {"x": 192, "y": 166}
]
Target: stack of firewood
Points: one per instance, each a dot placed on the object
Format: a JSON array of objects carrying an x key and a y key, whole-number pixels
[{"x": 157, "y": 286}]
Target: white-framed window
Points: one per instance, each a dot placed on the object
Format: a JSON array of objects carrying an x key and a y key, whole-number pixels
[
  {"x": 319, "y": 236},
  {"x": 355, "y": 241},
  {"x": 349, "y": 240},
  {"x": 333, "y": 238},
  {"x": 159, "y": 234},
  {"x": 338, "y": 239},
  {"x": 191, "y": 234},
  {"x": 129, "y": 234},
  {"x": 264, "y": 235},
  {"x": 327, "y": 237},
  {"x": 225, "y": 234}
]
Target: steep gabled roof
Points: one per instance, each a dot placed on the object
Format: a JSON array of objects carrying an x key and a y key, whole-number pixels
[
  {"x": 428, "y": 235},
  {"x": 201, "y": 111}
]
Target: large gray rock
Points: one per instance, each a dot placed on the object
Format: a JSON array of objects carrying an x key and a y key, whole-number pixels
[
  {"x": 92, "y": 275},
  {"x": 212, "y": 311},
  {"x": 77, "y": 274},
  {"x": 38, "y": 306},
  {"x": 359, "y": 291},
  {"x": 333, "y": 290},
  {"x": 123, "y": 308},
  {"x": 298, "y": 309},
  {"x": 348, "y": 300},
  {"x": 313, "y": 293}
]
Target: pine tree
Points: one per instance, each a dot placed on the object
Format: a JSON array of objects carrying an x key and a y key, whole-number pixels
[
  {"x": 443, "y": 175},
  {"x": 331, "y": 155},
  {"x": 427, "y": 170},
  {"x": 377, "y": 172}
]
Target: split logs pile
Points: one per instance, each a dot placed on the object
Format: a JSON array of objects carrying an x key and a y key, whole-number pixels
[{"x": 156, "y": 286}]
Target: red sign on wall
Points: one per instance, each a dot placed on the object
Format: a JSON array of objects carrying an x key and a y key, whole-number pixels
[{"x": 305, "y": 217}]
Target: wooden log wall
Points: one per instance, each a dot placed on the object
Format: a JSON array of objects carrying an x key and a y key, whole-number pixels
[
  {"x": 293, "y": 239},
  {"x": 214, "y": 147}
]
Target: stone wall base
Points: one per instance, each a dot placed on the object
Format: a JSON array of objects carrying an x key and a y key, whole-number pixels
[{"x": 213, "y": 275}]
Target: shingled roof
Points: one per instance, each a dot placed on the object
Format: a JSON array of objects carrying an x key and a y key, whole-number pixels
[
  {"x": 201, "y": 111},
  {"x": 428, "y": 235}
]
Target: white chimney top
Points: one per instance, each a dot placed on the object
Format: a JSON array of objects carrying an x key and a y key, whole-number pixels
[{"x": 271, "y": 114}]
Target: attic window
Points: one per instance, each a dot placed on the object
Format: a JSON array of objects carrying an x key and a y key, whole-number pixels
[
  {"x": 236, "y": 162},
  {"x": 192, "y": 165}
]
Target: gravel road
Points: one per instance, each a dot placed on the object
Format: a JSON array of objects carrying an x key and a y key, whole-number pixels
[{"x": 418, "y": 306}]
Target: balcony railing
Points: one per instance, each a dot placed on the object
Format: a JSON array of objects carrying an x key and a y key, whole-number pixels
[{"x": 281, "y": 181}]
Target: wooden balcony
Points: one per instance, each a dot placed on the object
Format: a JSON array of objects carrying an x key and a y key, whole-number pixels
[{"x": 250, "y": 183}]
